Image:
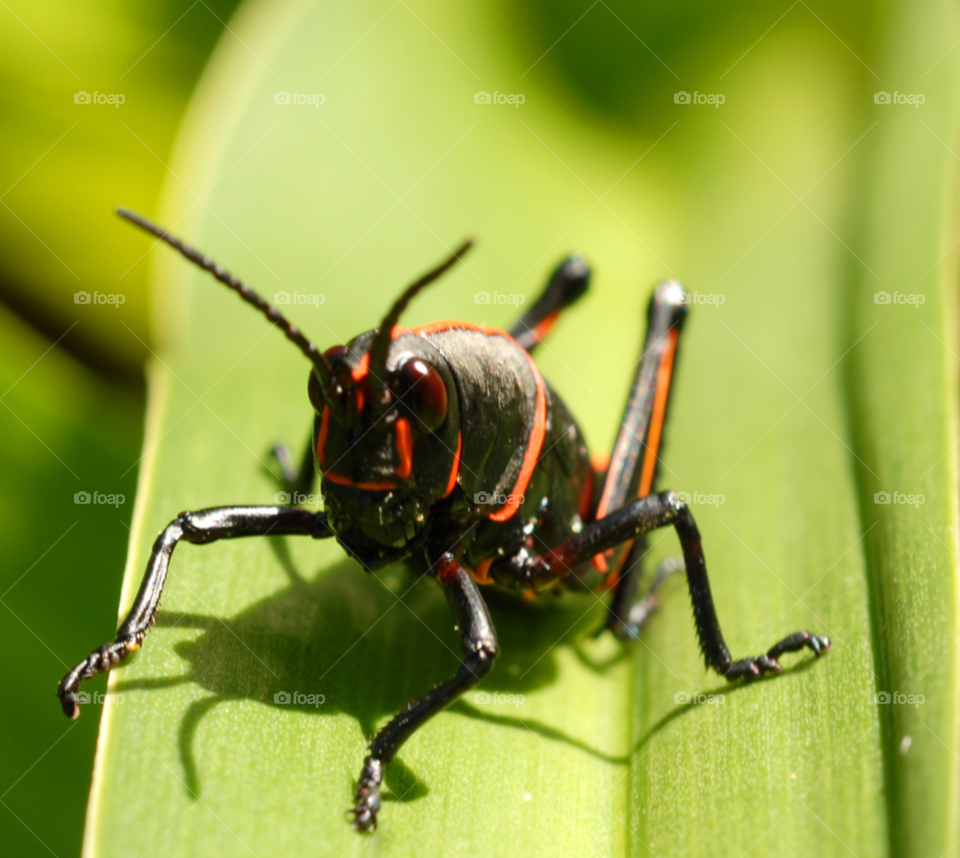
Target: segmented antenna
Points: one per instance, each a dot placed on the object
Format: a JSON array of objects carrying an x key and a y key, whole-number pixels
[
  {"x": 249, "y": 295},
  {"x": 380, "y": 348}
]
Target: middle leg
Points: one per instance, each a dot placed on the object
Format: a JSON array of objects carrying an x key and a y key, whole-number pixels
[{"x": 635, "y": 457}]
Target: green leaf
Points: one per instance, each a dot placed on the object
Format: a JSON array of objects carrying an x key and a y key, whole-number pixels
[{"x": 798, "y": 398}]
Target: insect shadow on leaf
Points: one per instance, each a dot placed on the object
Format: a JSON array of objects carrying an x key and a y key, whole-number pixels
[{"x": 317, "y": 636}]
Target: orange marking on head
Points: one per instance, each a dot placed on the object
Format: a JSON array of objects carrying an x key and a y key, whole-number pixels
[
  {"x": 455, "y": 469},
  {"x": 322, "y": 437},
  {"x": 404, "y": 448}
]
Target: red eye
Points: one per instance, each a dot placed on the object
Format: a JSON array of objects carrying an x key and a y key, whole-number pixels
[{"x": 422, "y": 391}]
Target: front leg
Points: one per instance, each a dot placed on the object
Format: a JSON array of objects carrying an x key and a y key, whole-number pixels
[
  {"x": 478, "y": 640},
  {"x": 640, "y": 517},
  {"x": 207, "y": 525}
]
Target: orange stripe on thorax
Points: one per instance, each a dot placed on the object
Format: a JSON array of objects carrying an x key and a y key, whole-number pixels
[
  {"x": 404, "y": 448},
  {"x": 535, "y": 441}
]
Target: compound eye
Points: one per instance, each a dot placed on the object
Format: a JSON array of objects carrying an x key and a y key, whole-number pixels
[{"x": 423, "y": 391}]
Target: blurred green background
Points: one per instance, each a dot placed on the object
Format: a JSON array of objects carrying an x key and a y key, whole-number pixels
[
  {"x": 71, "y": 379},
  {"x": 72, "y": 416}
]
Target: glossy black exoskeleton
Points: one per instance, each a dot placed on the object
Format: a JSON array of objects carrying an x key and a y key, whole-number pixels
[{"x": 443, "y": 446}]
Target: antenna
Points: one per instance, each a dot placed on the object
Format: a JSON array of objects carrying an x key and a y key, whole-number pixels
[
  {"x": 292, "y": 332},
  {"x": 380, "y": 348}
]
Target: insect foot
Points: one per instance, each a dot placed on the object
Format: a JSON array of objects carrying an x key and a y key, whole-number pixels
[
  {"x": 754, "y": 668},
  {"x": 368, "y": 796},
  {"x": 100, "y": 660}
]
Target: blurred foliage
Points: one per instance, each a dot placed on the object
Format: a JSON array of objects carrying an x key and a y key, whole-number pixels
[
  {"x": 64, "y": 167},
  {"x": 62, "y": 430}
]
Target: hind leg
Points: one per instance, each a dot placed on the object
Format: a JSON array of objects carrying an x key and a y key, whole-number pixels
[
  {"x": 568, "y": 282},
  {"x": 633, "y": 463}
]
